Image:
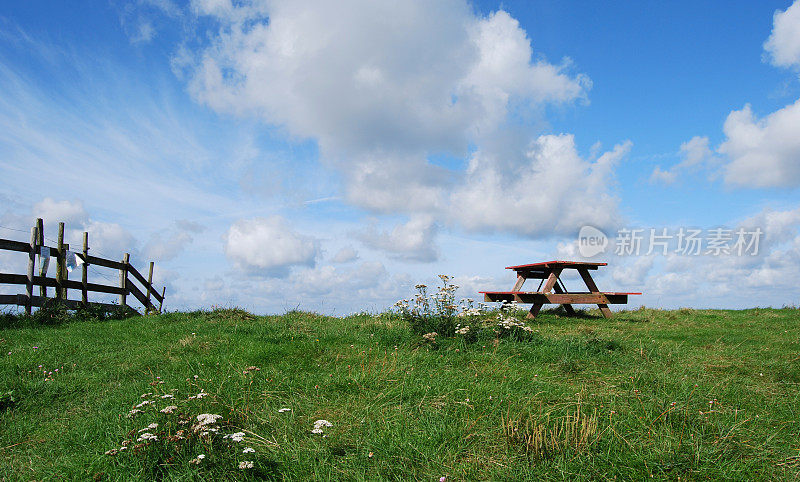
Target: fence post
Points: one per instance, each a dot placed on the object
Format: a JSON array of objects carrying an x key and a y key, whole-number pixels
[
  {"x": 59, "y": 263},
  {"x": 85, "y": 270},
  {"x": 31, "y": 263},
  {"x": 163, "y": 293},
  {"x": 42, "y": 272},
  {"x": 123, "y": 279},
  {"x": 149, "y": 287}
]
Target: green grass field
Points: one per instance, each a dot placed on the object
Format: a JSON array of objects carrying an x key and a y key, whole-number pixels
[{"x": 679, "y": 395}]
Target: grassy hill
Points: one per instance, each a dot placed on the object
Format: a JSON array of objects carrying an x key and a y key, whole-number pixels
[{"x": 689, "y": 394}]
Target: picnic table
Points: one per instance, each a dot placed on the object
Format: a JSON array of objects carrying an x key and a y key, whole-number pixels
[{"x": 552, "y": 290}]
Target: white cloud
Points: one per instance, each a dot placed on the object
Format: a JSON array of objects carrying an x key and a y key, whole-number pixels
[
  {"x": 345, "y": 255},
  {"x": 379, "y": 85},
  {"x": 412, "y": 241},
  {"x": 668, "y": 176},
  {"x": 268, "y": 246},
  {"x": 551, "y": 190},
  {"x": 694, "y": 152},
  {"x": 783, "y": 44},
  {"x": 635, "y": 273},
  {"x": 763, "y": 152},
  {"x": 67, "y": 212},
  {"x": 107, "y": 240},
  {"x": 167, "y": 244}
]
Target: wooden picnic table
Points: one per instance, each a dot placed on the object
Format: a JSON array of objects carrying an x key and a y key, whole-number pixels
[{"x": 552, "y": 290}]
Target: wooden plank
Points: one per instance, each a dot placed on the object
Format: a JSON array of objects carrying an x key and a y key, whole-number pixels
[
  {"x": 556, "y": 298},
  {"x": 13, "y": 279},
  {"x": 149, "y": 285},
  {"x": 95, "y": 288},
  {"x": 123, "y": 279},
  {"x": 85, "y": 270},
  {"x": 558, "y": 264},
  {"x": 106, "y": 263},
  {"x": 11, "y": 245},
  {"x": 141, "y": 297},
  {"x": 587, "y": 278},
  {"x": 533, "y": 274},
  {"x": 519, "y": 283},
  {"x": 567, "y": 307},
  {"x": 31, "y": 267},
  {"x": 59, "y": 263},
  {"x": 38, "y": 301},
  {"x": 10, "y": 300},
  {"x": 21, "y": 279},
  {"x": 534, "y": 311},
  {"x": 144, "y": 282},
  {"x": 551, "y": 280},
  {"x": 42, "y": 266},
  {"x": 136, "y": 274}
]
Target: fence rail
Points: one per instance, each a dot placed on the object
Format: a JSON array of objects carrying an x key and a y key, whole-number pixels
[{"x": 63, "y": 284}]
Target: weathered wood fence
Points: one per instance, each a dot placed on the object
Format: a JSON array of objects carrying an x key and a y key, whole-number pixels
[{"x": 63, "y": 284}]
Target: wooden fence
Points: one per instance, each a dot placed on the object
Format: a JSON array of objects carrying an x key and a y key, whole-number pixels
[{"x": 63, "y": 284}]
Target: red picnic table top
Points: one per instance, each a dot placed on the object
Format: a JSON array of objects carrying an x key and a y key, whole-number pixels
[
  {"x": 557, "y": 264},
  {"x": 549, "y": 272}
]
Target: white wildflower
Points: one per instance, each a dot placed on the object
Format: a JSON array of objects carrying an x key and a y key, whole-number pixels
[
  {"x": 320, "y": 425},
  {"x": 283, "y": 410},
  {"x": 236, "y": 437},
  {"x": 208, "y": 418},
  {"x": 248, "y": 450},
  {"x": 197, "y": 459},
  {"x": 146, "y": 402},
  {"x": 169, "y": 409},
  {"x": 168, "y": 395},
  {"x": 152, "y": 426},
  {"x": 463, "y": 331},
  {"x": 145, "y": 395},
  {"x": 146, "y": 437},
  {"x": 245, "y": 464},
  {"x": 133, "y": 412},
  {"x": 430, "y": 336}
]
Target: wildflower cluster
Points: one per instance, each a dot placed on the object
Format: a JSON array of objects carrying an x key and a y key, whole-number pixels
[
  {"x": 429, "y": 313},
  {"x": 176, "y": 429},
  {"x": 439, "y": 315}
]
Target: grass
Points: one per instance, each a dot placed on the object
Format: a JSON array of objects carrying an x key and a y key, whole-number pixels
[{"x": 687, "y": 394}]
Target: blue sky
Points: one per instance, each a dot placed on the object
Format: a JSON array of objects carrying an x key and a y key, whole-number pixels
[{"x": 275, "y": 155}]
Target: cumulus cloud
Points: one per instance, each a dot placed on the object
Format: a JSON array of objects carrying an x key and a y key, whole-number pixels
[
  {"x": 763, "y": 152},
  {"x": 694, "y": 152},
  {"x": 345, "y": 255},
  {"x": 167, "y": 244},
  {"x": 268, "y": 246},
  {"x": 783, "y": 45},
  {"x": 67, "y": 212},
  {"x": 412, "y": 241},
  {"x": 379, "y": 85},
  {"x": 550, "y": 190},
  {"x": 109, "y": 240}
]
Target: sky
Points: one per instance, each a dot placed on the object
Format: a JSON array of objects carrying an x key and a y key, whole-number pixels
[{"x": 329, "y": 156}]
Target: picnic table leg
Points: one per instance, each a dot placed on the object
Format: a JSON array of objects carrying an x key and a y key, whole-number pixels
[
  {"x": 587, "y": 278},
  {"x": 519, "y": 283},
  {"x": 567, "y": 307},
  {"x": 534, "y": 310},
  {"x": 552, "y": 278}
]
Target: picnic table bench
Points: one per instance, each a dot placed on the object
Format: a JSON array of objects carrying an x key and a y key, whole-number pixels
[{"x": 552, "y": 290}]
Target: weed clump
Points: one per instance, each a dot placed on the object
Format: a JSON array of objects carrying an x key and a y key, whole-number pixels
[
  {"x": 439, "y": 313},
  {"x": 179, "y": 430}
]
